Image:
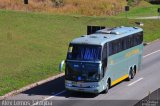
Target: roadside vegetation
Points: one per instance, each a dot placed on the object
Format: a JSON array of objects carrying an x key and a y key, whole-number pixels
[
  {"x": 138, "y": 8},
  {"x": 33, "y": 44},
  {"x": 76, "y": 7}
]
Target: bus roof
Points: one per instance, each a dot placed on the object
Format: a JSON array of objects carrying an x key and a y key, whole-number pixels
[{"x": 106, "y": 35}]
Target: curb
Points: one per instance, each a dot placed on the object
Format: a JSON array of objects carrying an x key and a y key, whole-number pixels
[
  {"x": 145, "y": 43},
  {"x": 12, "y": 93},
  {"x": 153, "y": 41}
]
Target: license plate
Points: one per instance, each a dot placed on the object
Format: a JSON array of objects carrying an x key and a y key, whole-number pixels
[
  {"x": 81, "y": 89},
  {"x": 75, "y": 83}
]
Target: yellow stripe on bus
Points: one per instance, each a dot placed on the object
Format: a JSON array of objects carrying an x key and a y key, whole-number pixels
[{"x": 119, "y": 80}]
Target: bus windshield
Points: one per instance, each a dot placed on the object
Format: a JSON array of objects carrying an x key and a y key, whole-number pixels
[{"x": 84, "y": 52}]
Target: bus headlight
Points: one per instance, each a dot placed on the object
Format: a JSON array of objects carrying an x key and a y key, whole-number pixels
[{"x": 69, "y": 84}]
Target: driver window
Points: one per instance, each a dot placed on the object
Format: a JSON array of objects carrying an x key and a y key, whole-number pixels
[{"x": 104, "y": 58}]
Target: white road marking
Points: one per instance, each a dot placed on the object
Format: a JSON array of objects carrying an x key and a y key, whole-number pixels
[
  {"x": 135, "y": 82},
  {"x": 55, "y": 95},
  {"x": 151, "y": 53},
  {"x": 50, "y": 97}
]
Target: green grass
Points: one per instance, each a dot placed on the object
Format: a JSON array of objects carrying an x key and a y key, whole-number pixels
[
  {"x": 32, "y": 45},
  {"x": 141, "y": 11}
]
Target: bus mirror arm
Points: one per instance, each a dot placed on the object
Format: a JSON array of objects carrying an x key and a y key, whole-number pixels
[
  {"x": 61, "y": 65},
  {"x": 100, "y": 68}
]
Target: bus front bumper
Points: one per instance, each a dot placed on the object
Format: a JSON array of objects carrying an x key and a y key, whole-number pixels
[{"x": 89, "y": 87}]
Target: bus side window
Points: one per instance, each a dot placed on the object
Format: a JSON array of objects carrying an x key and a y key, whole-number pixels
[
  {"x": 141, "y": 37},
  {"x": 132, "y": 40},
  {"x": 127, "y": 42},
  {"x": 104, "y": 59},
  {"x": 110, "y": 48},
  {"x": 120, "y": 45},
  {"x": 135, "y": 39},
  {"x": 115, "y": 47},
  {"x": 124, "y": 43},
  {"x": 104, "y": 55}
]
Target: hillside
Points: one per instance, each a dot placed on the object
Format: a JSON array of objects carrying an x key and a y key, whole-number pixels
[{"x": 81, "y": 7}]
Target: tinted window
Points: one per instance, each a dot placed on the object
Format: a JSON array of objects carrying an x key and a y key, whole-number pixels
[
  {"x": 110, "y": 48},
  {"x": 129, "y": 39},
  {"x": 104, "y": 53},
  {"x": 135, "y": 41},
  {"x": 115, "y": 46},
  {"x": 125, "y": 43},
  {"x": 84, "y": 52},
  {"x": 138, "y": 38},
  {"x": 120, "y": 45}
]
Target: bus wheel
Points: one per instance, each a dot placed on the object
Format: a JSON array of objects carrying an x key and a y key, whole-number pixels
[
  {"x": 135, "y": 70},
  {"x": 130, "y": 75},
  {"x": 133, "y": 73},
  {"x": 107, "y": 88}
]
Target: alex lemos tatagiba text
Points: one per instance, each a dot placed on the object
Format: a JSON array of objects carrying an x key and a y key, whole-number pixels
[{"x": 25, "y": 103}]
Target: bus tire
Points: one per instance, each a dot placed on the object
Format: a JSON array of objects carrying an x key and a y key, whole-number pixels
[
  {"x": 130, "y": 74},
  {"x": 107, "y": 88},
  {"x": 135, "y": 70},
  {"x": 133, "y": 73}
]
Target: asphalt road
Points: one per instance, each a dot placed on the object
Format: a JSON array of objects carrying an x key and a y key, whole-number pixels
[{"x": 126, "y": 93}]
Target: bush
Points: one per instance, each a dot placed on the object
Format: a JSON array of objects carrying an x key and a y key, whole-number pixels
[
  {"x": 133, "y": 2},
  {"x": 58, "y": 3}
]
